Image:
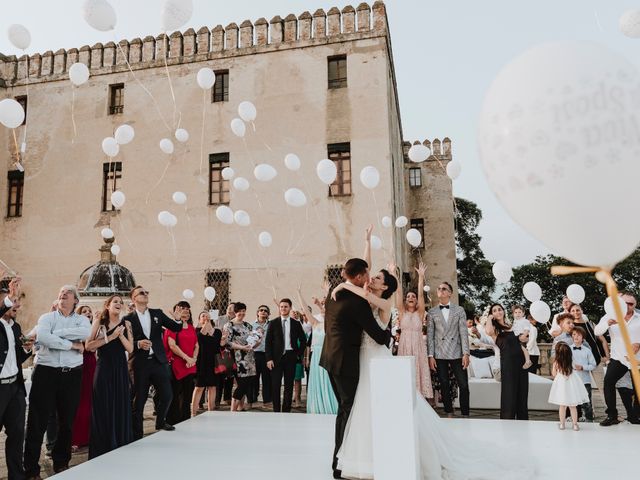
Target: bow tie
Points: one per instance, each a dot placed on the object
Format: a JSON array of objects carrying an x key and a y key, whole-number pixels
[
  {"x": 444, "y": 306},
  {"x": 577, "y": 348}
]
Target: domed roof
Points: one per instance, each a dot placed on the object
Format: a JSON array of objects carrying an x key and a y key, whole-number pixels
[{"x": 107, "y": 277}]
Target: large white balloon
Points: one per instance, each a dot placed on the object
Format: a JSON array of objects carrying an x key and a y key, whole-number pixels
[
  {"x": 11, "y": 113},
  {"x": 376, "y": 243},
  {"x": 242, "y": 218},
  {"x": 386, "y": 221},
  {"x": 78, "y": 74},
  {"x": 540, "y": 311},
  {"x": 206, "y": 78},
  {"x": 419, "y": 153},
  {"x": 454, "y": 169},
  {"x": 630, "y": 23},
  {"x": 175, "y": 14},
  {"x": 124, "y": 134},
  {"x": 210, "y": 293},
  {"x": 295, "y": 197},
  {"x": 401, "y": 221},
  {"x": 241, "y": 183},
  {"x": 575, "y": 293},
  {"x": 106, "y": 233},
  {"x": 564, "y": 113},
  {"x": 228, "y": 173},
  {"x": 179, "y": 198},
  {"x": 265, "y": 239},
  {"x": 247, "y": 111},
  {"x": 610, "y": 310},
  {"x": 188, "y": 294},
  {"x": 264, "y": 172},
  {"x": 327, "y": 171},
  {"x": 164, "y": 218},
  {"x": 502, "y": 271},
  {"x": 292, "y": 162},
  {"x": 99, "y": 14},
  {"x": 224, "y": 214},
  {"x": 117, "y": 199},
  {"x": 414, "y": 237},
  {"x": 182, "y": 135},
  {"x": 115, "y": 249},
  {"x": 532, "y": 291},
  {"x": 370, "y": 177},
  {"x": 238, "y": 127},
  {"x": 110, "y": 147},
  {"x": 19, "y": 36},
  {"x": 166, "y": 146}
]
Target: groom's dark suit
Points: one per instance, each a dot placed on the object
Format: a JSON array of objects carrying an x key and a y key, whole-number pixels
[{"x": 345, "y": 320}]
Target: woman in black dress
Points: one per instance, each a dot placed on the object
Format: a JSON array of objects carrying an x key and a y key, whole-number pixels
[
  {"x": 209, "y": 345},
  {"x": 111, "y": 425},
  {"x": 514, "y": 383}
]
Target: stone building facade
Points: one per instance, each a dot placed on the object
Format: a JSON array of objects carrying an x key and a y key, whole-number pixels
[{"x": 324, "y": 87}]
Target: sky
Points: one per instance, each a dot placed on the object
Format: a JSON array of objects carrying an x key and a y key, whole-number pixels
[{"x": 446, "y": 54}]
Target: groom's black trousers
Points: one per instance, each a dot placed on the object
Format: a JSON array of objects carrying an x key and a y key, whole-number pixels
[
  {"x": 460, "y": 373},
  {"x": 344, "y": 388}
]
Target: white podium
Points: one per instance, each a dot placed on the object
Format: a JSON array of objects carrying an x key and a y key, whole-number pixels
[{"x": 395, "y": 437}]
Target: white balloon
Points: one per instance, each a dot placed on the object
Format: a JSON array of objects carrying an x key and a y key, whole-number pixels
[
  {"x": 419, "y": 153},
  {"x": 173, "y": 221},
  {"x": 110, "y": 147},
  {"x": 117, "y": 199},
  {"x": 175, "y": 14},
  {"x": 166, "y": 146},
  {"x": 242, "y": 218},
  {"x": 292, "y": 162},
  {"x": 241, "y": 183},
  {"x": 182, "y": 135},
  {"x": 265, "y": 239},
  {"x": 376, "y": 243},
  {"x": 115, "y": 249},
  {"x": 206, "y": 78},
  {"x": 264, "y": 172},
  {"x": 610, "y": 310},
  {"x": 179, "y": 197},
  {"x": 124, "y": 134},
  {"x": 228, "y": 173},
  {"x": 78, "y": 74},
  {"x": 401, "y": 221},
  {"x": 426, "y": 288},
  {"x": 210, "y": 293},
  {"x": 295, "y": 197},
  {"x": 247, "y": 111},
  {"x": 165, "y": 218},
  {"x": 414, "y": 237},
  {"x": 575, "y": 293},
  {"x": 386, "y": 221},
  {"x": 224, "y": 214},
  {"x": 238, "y": 127},
  {"x": 11, "y": 113},
  {"x": 502, "y": 271},
  {"x": 327, "y": 171},
  {"x": 19, "y": 36},
  {"x": 547, "y": 121},
  {"x": 630, "y": 23},
  {"x": 370, "y": 177},
  {"x": 540, "y": 311},
  {"x": 188, "y": 294},
  {"x": 99, "y": 14},
  {"x": 106, "y": 233},
  {"x": 454, "y": 169},
  {"x": 532, "y": 291}
]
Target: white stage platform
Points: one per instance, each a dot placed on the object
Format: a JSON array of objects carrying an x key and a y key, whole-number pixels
[{"x": 270, "y": 446}]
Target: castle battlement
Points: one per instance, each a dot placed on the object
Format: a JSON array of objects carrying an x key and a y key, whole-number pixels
[
  {"x": 190, "y": 46},
  {"x": 440, "y": 149}
]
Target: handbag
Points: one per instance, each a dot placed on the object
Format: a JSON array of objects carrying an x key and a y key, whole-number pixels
[{"x": 225, "y": 363}]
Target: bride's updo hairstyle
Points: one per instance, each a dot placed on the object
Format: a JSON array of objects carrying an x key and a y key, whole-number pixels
[{"x": 390, "y": 282}]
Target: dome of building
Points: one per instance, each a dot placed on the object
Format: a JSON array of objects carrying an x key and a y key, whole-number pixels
[{"x": 107, "y": 277}]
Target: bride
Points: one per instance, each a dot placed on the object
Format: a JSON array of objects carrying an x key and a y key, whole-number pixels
[{"x": 436, "y": 442}]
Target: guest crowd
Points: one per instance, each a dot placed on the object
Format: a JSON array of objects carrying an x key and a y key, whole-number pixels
[{"x": 93, "y": 371}]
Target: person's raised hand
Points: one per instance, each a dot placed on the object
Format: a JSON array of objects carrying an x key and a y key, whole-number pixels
[
  {"x": 368, "y": 232},
  {"x": 421, "y": 269}
]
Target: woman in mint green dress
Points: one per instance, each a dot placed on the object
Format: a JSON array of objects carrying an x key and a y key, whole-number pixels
[{"x": 320, "y": 396}]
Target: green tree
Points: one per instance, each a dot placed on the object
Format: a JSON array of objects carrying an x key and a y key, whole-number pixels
[{"x": 475, "y": 279}]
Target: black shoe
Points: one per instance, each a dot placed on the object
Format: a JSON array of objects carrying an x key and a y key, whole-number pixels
[
  {"x": 634, "y": 421},
  {"x": 165, "y": 426},
  {"x": 607, "y": 422},
  {"x": 60, "y": 468},
  {"x": 337, "y": 474}
]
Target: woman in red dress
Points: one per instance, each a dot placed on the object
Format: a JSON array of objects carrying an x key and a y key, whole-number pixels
[{"x": 82, "y": 422}]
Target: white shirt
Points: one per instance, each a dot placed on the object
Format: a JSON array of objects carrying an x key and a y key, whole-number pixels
[
  {"x": 618, "y": 350},
  {"x": 10, "y": 367},
  {"x": 445, "y": 311},
  {"x": 286, "y": 330},
  {"x": 532, "y": 344},
  {"x": 520, "y": 326},
  {"x": 55, "y": 336},
  {"x": 145, "y": 322}
]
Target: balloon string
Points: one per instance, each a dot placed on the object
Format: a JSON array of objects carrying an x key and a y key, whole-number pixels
[
  {"x": 15, "y": 143},
  {"x": 173, "y": 242},
  {"x": 26, "y": 124},
  {"x": 124, "y": 231},
  {"x": 251, "y": 259},
  {"x": 158, "y": 182},
  {"x": 204, "y": 103},
  {"x": 308, "y": 193},
  {"x": 246, "y": 149},
  {"x": 166, "y": 67},
  {"x": 7, "y": 268},
  {"x": 339, "y": 228},
  {"x": 263, "y": 254},
  {"x": 73, "y": 116}
]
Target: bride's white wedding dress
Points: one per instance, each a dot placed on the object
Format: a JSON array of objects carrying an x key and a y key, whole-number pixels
[{"x": 437, "y": 444}]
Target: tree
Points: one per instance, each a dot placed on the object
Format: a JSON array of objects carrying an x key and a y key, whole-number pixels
[{"x": 475, "y": 279}]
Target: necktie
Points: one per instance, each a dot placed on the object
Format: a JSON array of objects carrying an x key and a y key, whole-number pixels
[
  {"x": 442, "y": 307},
  {"x": 577, "y": 348}
]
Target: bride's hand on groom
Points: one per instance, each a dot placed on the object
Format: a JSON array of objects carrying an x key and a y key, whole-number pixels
[{"x": 336, "y": 290}]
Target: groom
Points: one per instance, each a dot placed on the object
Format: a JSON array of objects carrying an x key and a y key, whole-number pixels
[{"x": 345, "y": 320}]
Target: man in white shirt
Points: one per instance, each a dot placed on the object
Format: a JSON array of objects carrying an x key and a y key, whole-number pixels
[{"x": 619, "y": 364}]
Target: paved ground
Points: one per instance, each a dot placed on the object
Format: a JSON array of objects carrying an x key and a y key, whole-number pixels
[{"x": 149, "y": 422}]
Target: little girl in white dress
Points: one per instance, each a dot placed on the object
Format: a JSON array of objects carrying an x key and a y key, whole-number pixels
[{"x": 567, "y": 389}]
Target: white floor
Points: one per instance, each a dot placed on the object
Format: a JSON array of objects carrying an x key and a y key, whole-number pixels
[{"x": 266, "y": 446}]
